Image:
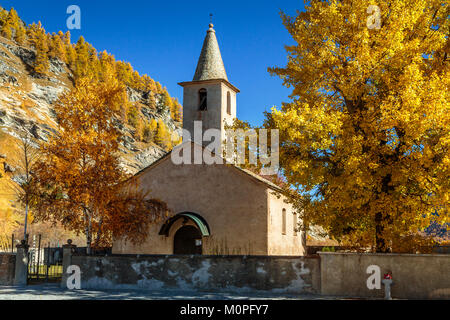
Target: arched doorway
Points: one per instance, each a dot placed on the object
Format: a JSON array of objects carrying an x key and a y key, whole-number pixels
[{"x": 187, "y": 240}]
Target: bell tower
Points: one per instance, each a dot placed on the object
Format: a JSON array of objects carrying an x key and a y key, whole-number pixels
[{"x": 209, "y": 97}]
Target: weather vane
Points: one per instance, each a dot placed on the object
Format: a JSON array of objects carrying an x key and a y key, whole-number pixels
[{"x": 210, "y": 18}]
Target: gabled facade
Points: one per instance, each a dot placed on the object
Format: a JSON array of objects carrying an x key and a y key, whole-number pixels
[{"x": 220, "y": 208}]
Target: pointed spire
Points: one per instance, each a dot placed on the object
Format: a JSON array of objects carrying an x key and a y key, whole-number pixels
[{"x": 210, "y": 65}]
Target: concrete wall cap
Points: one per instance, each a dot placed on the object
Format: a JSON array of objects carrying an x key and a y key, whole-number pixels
[{"x": 384, "y": 254}]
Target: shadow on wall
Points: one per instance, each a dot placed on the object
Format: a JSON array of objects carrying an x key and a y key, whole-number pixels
[{"x": 208, "y": 273}]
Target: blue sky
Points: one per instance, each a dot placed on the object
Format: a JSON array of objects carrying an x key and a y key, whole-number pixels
[{"x": 164, "y": 38}]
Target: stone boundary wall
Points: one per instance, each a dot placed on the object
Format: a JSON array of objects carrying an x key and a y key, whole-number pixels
[
  {"x": 206, "y": 273},
  {"x": 7, "y": 268},
  {"x": 415, "y": 276}
]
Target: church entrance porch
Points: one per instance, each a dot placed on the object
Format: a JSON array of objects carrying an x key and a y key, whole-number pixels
[
  {"x": 187, "y": 240},
  {"x": 190, "y": 228}
]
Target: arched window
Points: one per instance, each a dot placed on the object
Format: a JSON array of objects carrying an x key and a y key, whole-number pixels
[
  {"x": 283, "y": 222},
  {"x": 202, "y": 100},
  {"x": 229, "y": 103}
]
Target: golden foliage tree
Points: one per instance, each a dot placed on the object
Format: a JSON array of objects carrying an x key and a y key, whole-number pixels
[
  {"x": 163, "y": 136},
  {"x": 56, "y": 46},
  {"x": 10, "y": 218},
  {"x": 39, "y": 40},
  {"x": 20, "y": 35},
  {"x": 7, "y": 25},
  {"x": 70, "y": 52},
  {"x": 366, "y": 138},
  {"x": 81, "y": 63},
  {"x": 149, "y": 130},
  {"x": 81, "y": 58},
  {"x": 11, "y": 26},
  {"x": 24, "y": 187},
  {"x": 79, "y": 174}
]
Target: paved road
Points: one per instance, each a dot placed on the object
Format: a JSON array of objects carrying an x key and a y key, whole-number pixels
[{"x": 52, "y": 292}]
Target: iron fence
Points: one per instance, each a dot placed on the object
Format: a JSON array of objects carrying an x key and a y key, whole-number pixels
[{"x": 44, "y": 263}]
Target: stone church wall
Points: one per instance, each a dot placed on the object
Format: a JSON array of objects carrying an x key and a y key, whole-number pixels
[
  {"x": 7, "y": 268},
  {"x": 283, "y": 243},
  {"x": 415, "y": 276},
  {"x": 208, "y": 273},
  {"x": 233, "y": 205}
]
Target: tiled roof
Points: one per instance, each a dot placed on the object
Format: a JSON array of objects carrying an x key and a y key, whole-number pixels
[{"x": 210, "y": 65}]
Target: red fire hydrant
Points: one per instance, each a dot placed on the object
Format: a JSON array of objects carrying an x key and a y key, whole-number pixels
[{"x": 387, "y": 281}]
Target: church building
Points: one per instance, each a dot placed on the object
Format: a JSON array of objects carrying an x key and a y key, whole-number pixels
[{"x": 218, "y": 209}]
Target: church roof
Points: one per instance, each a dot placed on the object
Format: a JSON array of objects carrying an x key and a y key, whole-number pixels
[
  {"x": 210, "y": 64},
  {"x": 268, "y": 183}
]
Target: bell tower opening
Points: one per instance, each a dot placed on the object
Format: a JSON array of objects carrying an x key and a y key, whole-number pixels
[
  {"x": 203, "y": 100},
  {"x": 209, "y": 91}
]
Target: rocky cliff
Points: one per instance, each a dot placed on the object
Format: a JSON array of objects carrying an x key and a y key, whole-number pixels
[
  {"x": 27, "y": 98},
  {"x": 26, "y": 101}
]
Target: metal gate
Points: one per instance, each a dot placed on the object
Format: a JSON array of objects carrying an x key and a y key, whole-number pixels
[{"x": 44, "y": 263}]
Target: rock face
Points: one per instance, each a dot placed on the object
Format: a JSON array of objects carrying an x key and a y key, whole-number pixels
[{"x": 27, "y": 99}]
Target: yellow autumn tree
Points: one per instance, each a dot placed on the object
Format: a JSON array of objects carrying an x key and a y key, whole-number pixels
[
  {"x": 3, "y": 16},
  {"x": 20, "y": 36},
  {"x": 163, "y": 136},
  {"x": 81, "y": 63},
  {"x": 39, "y": 40},
  {"x": 6, "y": 28},
  {"x": 9, "y": 215},
  {"x": 365, "y": 141},
  {"x": 16, "y": 23},
  {"x": 149, "y": 130},
  {"x": 80, "y": 181},
  {"x": 177, "y": 111},
  {"x": 12, "y": 25},
  {"x": 81, "y": 58},
  {"x": 56, "y": 46},
  {"x": 70, "y": 52}
]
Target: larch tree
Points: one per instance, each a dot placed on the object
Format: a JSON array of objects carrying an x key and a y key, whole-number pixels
[
  {"x": 80, "y": 180},
  {"x": 56, "y": 46},
  {"x": 12, "y": 27},
  {"x": 20, "y": 36},
  {"x": 16, "y": 23},
  {"x": 7, "y": 25},
  {"x": 81, "y": 64},
  {"x": 40, "y": 42},
  {"x": 70, "y": 52},
  {"x": 163, "y": 136},
  {"x": 149, "y": 130},
  {"x": 3, "y": 15},
  {"x": 177, "y": 110},
  {"x": 365, "y": 142}
]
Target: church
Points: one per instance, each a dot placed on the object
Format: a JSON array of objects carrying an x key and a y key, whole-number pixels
[{"x": 218, "y": 209}]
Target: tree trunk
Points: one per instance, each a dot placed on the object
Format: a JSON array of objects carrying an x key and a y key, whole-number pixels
[
  {"x": 88, "y": 233},
  {"x": 380, "y": 218},
  {"x": 380, "y": 244},
  {"x": 26, "y": 221},
  {"x": 99, "y": 233},
  {"x": 380, "y": 240},
  {"x": 88, "y": 244}
]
